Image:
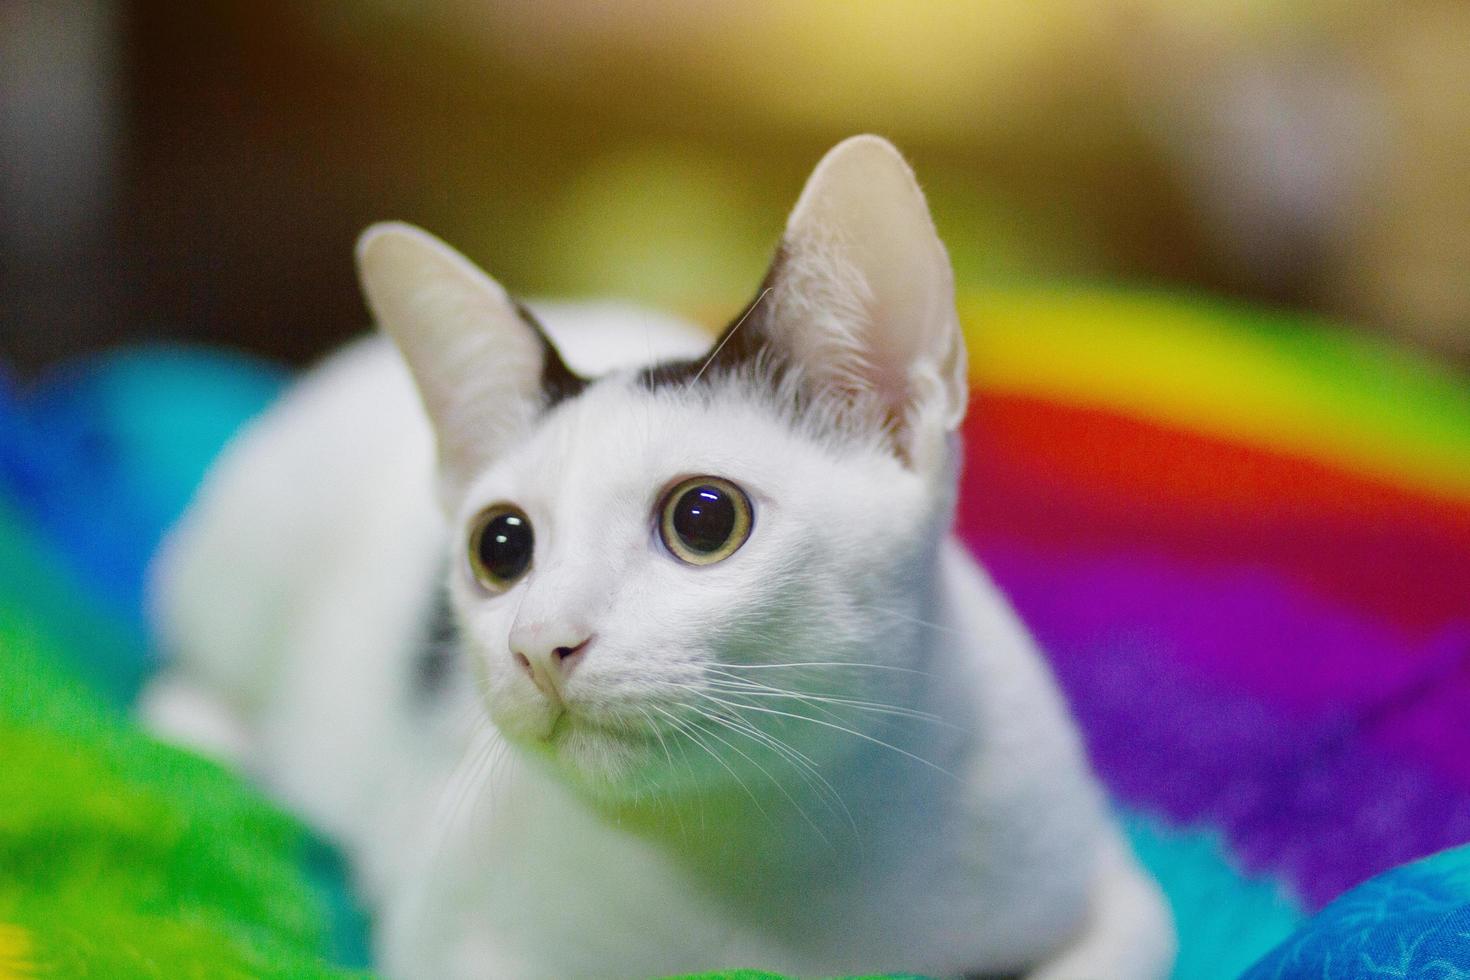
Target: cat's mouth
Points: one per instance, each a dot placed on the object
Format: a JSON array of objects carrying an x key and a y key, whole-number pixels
[{"x": 572, "y": 723}]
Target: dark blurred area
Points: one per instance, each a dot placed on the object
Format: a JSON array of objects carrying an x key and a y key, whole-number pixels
[{"x": 200, "y": 171}]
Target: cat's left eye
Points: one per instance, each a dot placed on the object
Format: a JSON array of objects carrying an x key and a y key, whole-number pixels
[
  {"x": 704, "y": 520},
  {"x": 500, "y": 546}
]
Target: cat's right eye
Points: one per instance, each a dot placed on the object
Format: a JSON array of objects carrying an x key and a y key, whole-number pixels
[{"x": 500, "y": 546}]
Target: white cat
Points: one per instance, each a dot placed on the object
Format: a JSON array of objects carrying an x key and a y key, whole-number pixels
[{"x": 709, "y": 685}]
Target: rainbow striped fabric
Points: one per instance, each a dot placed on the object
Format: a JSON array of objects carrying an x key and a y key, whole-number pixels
[
  {"x": 1245, "y": 541},
  {"x": 1243, "y": 538}
]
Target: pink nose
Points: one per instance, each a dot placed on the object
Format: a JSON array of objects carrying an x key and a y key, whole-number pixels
[{"x": 550, "y": 662}]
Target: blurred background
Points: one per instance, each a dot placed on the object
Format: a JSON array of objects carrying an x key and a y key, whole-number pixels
[{"x": 200, "y": 170}]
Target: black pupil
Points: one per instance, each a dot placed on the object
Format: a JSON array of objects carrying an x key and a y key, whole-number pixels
[
  {"x": 704, "y": 518},
  {"x": 505, "y": 546}
]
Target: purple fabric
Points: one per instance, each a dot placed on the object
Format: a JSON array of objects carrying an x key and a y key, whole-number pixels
[{"x": 1325, "y": 746}]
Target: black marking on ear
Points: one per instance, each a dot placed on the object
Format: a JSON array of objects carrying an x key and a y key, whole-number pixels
[
  {"x": 558, "y": 382},
  {"x": 755, "y": 342},
  {"x": 438, "y": 648},
  {"x": 747, "y": 340}
]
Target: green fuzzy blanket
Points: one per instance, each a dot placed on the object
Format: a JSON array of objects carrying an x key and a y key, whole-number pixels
[
  {"x": 123, "y": 857},
  {"x": 119, "y": 856}
]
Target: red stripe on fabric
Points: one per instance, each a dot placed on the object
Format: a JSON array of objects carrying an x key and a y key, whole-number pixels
[{"x": 1086, "y": 480}]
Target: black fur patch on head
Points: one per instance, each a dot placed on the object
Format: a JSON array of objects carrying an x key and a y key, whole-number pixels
[
  {"x": 558, "y": 382},
  {"x": 747, "y": 340}
]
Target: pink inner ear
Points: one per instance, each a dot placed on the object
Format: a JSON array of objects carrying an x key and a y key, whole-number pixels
[
  {"x": 888, "y": 375},
  {"x": 881, "y": 399}
]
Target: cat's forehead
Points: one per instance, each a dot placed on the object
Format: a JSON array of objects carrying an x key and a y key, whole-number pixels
[
  {"x": 620, "y": 437},
  {"x": 619, "y": 431}
]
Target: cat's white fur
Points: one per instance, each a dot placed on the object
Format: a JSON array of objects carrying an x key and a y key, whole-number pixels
[{"x": 934, "y": 813}]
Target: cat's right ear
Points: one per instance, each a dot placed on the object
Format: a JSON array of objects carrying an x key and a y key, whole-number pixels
[{"x": 482, "y": 366}]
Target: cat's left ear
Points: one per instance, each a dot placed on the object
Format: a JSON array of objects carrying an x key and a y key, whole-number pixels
[
  {"x": 861, "y": 299},
  {"x": 482, "y": 365}
]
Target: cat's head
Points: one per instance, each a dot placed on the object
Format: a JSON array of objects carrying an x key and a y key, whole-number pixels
[{"x": 699, "y": 572}]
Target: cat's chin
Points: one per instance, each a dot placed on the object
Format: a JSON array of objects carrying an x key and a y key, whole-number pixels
[{"x": 607, "y": 761}]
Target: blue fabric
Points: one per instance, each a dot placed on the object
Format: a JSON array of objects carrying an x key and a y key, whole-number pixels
[
  {"x": 101, "y": 455},
  {"x": 1413, "y": 921},
  {"x": 104, "y": 452}
]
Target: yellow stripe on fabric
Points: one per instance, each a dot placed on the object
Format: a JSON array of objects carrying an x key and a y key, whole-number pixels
[
  {"x": 15, "y": 952},
  {"x": 1268, "y": 380}
]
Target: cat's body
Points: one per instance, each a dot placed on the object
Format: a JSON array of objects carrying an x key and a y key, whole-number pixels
[{"x": 831, "y": 749}]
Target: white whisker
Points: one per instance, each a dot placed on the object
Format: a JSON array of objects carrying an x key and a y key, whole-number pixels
[
  {"x": 467, "y": 779},
  {"x": 938, "y": 627},
  {"x": 752, "y": 689},
  {"x": 826, "y": 663},
  {"x": 798, "y": 760},
  {"x": 694, "y": 736},
  {"x": 841, "y": 728},
  {"x": 765, "y": 772},
  {"x": 726, "y": 339}
]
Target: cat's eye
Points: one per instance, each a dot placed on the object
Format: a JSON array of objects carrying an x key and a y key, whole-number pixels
[
  {"x": 500, "y": 546},
  {"x": 704, "y": 520}
]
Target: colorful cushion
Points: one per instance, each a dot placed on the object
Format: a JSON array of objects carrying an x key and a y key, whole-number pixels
[{"x": 1243, "y": 538}]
